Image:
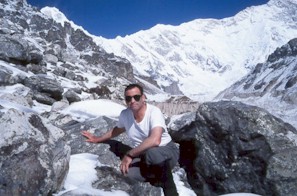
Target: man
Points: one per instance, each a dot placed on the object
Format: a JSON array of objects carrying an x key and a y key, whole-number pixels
[{"x": 153, "y": 153}]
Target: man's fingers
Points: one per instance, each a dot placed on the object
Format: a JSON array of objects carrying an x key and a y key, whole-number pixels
[
  {"x": 86, "y": 134},
  {"x": 124, "y": 169}
]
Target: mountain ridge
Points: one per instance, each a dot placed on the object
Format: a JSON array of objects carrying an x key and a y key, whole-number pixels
[
  {"x": 273, "y": 83},
  {"x": 207, "y": 48}
]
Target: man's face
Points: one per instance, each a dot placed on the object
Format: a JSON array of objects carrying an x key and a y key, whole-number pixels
[{"x": 134, "y": 99}]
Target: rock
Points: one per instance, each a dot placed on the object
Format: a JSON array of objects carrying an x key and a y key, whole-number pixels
[
  {"x": 97, "y": 126},
  {"x": 20, "y": 95},
  {"x": 37, "y": 68},
  {"x": 287, "y": 50},
  {"x": 59, "y": 105},
  {"x": 71, "y": 96},
  {"x": 81, "y": 41},
  {"x": 233, "y": 147},
  {"x": 5, "y": 76},
  {"x": 51, "y": 58},
  {"x": 47, "y": 90},
  {"x": 13, "y": 98},
  {"x": 43, "y": 98},
  {"x": 101, "y": 91},
  {"x": 73, "y": 76},
  {"x": 34, "y": 155},
  {"x": 19, "y": 50}
]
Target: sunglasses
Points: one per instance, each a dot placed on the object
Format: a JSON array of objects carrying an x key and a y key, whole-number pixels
[{"x": 135, "y": 97}]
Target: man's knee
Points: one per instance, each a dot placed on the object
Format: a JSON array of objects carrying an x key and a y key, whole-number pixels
[
  {"x": 153, "y": 156},
  {"x": 135, "y": 174}
]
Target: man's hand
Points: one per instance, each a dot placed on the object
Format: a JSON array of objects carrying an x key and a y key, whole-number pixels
[
  {"x": 126, "y": 161},
  {"x": 90, "y": 137}
]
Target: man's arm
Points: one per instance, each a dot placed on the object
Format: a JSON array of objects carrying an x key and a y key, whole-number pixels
[
  {"x": 153, "y": 140},
  {"x": 108, "y": 135}
]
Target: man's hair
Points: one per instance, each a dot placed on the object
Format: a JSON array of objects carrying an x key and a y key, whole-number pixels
[{"x": 130, "y": 86}]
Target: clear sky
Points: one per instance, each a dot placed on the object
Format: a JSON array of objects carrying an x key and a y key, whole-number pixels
[{"x": 109, "y": 18}]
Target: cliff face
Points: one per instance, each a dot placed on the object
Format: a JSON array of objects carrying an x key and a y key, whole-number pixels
[{"x": 37, "y": 46}]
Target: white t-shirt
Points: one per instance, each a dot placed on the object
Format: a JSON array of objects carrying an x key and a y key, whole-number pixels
[{"x": 137, "y": 132}]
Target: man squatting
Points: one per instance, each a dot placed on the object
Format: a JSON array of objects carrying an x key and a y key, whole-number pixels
[{"x": 153, "y": 153}]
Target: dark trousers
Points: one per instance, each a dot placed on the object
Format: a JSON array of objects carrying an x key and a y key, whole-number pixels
[{"x": 155, "y": 166}]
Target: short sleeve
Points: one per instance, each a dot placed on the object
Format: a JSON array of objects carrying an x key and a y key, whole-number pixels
[
  {"x": 157, "y": 118},
  {"x": 120, "y": 123}
]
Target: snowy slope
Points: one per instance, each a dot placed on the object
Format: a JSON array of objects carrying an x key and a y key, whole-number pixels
[
  {"x": 204, "y": 56},
  {"x": 271, "y": 85}
]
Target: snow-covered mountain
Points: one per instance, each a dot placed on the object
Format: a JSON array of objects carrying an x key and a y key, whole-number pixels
[
  {"x": 200, "y": 58},
  {"x": 271, "y": 85},
  {"x": 37, "y": 46}
]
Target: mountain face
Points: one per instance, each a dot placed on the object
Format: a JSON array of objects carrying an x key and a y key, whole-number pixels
[
  {"x": 271, "y": 85},
  {"x": 37, "y": 51},
  {"x": 56, "y": 59},
  {"x": 200, "y": 58}
]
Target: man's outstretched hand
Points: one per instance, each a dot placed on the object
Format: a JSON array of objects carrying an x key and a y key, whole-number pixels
[{"x": 90, "y": 137}]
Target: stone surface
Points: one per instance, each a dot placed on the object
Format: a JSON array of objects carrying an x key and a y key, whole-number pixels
[
  {"x": 233, "y": 147},
  {"x": 34, "y": 155}
]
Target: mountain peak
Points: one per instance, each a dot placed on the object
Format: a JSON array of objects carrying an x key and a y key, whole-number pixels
[
  {"x": 204, "y": 56},
  {"x": 55, "y": 14}
]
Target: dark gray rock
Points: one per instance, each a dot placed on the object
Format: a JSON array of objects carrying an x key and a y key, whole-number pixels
[
  {"x": 68, "y": 66},
  {"x": 59, "y": 71},
  {"x": 81, "y": 41},
  {"x": 8, "y": 77},
  {"x": 43, "y": 98},
  {"x": 37, "y": 68},
  {"x": 71, "y": 96},
  {"x": 98, "y": 126},
  {"x": 233, "y": 147},
  {"x": 110, "y": 179},
  {"x": 101, "y": 91},
  {"x": 34, "y": 155},
  {"x": 5, "y": 76},
  {"x": 18, "y": 50},
  {"x": 47, "y": 90},
  {"x": 172, "y": 89},
  {"x": 50, "y": 58},
  {"x": 289, "y": 49},
  {"x": 73, "y": 76}
]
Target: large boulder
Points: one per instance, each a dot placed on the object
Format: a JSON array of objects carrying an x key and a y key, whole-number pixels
[
  {"x": 233, "y": 147},
  {"x": 34, "y": 155},
  {"x": 46, "y": 90},
  {"x": 17, "y": 49}
]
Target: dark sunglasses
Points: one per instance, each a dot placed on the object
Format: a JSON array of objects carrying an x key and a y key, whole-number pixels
[{"x": 135, "y": 97}]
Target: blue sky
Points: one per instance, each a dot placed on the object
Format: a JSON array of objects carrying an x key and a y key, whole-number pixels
[{"x": 109, "y": 18}]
